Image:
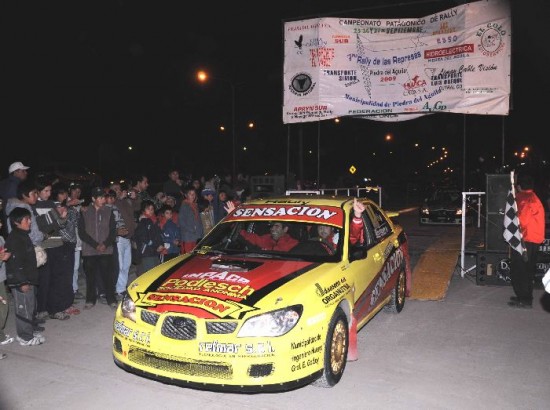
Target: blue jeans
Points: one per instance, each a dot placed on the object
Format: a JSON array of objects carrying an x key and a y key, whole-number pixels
[
  {"x": 124, "y": 248},
  {"x": 75, "y": 269}
]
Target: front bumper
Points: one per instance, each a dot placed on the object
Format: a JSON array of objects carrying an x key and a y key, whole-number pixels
[
  {"x": 442, "y": 217},
  {"x": 207, "y": 354}
]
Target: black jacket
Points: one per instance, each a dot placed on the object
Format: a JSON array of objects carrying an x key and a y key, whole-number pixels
[
  {"x": 148, "y": 237},
  {"x": 21, "y": 266}
]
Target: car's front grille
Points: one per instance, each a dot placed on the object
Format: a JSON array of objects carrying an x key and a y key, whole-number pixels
[
  {"x": 174, "y": 364},
  {"x": 149, "y": 317},
  {"x": 180, "y": 328},
  {"x": 443, "y": 212},
  {"x": 220, "y": 328}
]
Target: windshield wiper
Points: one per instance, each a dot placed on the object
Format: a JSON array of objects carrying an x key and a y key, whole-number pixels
[
  {"x": 210, "y": 251},
  {"x": 257, "y": 255}
]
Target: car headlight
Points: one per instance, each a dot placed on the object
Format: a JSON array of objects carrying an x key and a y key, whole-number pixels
[
  {"x": 425, "y": 211},
  {"x": 458, "y": 212},
  {"x": 128, "y": 308},
  {"x": 275, "y": 323}
]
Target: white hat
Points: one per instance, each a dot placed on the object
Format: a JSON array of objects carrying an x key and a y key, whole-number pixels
[{"x": 17, "y": 165}]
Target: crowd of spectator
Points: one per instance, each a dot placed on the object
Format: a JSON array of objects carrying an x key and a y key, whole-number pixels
[{"x": 120, "y": 229}]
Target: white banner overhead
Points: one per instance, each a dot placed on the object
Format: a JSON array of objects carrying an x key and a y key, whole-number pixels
[{"x": 456, "y": 60}]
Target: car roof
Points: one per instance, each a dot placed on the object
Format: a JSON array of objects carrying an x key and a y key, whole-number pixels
[{"x": 344, "y": 202}]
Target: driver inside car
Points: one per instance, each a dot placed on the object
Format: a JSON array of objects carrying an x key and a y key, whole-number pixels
[
  {"x": 327, "y": 237},
  {"x": 278, "y": 238}
]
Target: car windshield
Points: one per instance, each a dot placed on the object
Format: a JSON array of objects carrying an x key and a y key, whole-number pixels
[
  {"x": 445, "y": 196},
  {"x": 254, "y": 238}
]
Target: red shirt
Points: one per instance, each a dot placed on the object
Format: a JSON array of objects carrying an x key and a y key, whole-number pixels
[
  {"x": 531, "y": 216},
  {"x": 266, "y": 242}
]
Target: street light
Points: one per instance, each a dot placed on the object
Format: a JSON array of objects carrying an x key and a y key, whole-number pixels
[{"x": 203, "y": 77}]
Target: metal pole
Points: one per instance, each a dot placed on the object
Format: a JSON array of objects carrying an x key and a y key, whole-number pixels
[
  {"x": 301, "y": 153},
  {"x": 318, "y": 154},
  {"x": 464, "y": 153},
  {"x": 287, "y": 155},
  {"x": 233, "y": 135},
  {"x": 463, "y": 238},
  {"x": 502, "y": 160}
]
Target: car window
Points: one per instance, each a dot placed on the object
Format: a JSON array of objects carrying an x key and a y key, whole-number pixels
[
  {"x": 445, "y": 196},
  {"x": 226, "y": 238},
  {"x": 380, "y": 225}
]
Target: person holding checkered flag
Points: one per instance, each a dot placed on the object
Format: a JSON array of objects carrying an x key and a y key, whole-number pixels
[{"x": 524, "y": 225}]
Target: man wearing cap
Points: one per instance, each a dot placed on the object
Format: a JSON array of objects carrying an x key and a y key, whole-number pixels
[{"x": 8, "y": 186}]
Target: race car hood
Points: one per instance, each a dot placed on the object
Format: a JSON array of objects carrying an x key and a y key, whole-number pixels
[{"x": 203, "y": 285}]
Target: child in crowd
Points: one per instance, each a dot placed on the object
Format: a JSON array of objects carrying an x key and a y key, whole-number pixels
[
  {"x": 148, "y": 238},
  {"x": 170, "y": 232},
  {"x": 206, "y": 207},
  {"x": 4, "y": 307},
  {"x": 22, "y": 276}
]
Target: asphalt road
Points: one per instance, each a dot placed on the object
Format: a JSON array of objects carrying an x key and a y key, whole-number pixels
[{"x": 469, "y": 350}]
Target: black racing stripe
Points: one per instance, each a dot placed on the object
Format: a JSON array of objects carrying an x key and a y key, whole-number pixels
[
  {"x": 153, "y": 287},
  {"x": 261, "y": 293}
]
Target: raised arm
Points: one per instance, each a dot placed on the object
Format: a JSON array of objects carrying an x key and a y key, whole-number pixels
[
  {"x": 356, "y": 235},
  {"x": 229, "y": 207},
  {"x": 358, "y": 208}
]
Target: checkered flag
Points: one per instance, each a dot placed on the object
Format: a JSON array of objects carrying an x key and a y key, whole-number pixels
[{"x": 512, "y": 233}]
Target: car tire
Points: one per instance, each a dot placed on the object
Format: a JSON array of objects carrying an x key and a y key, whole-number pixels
[
  {"x": 397, "y": 300},
  {"x": 336, "y": 350}
]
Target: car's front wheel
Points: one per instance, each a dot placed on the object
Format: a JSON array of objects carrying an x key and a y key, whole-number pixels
[
  {"x": 397, "y": 300},
  {"x": 336, "y": 350}
]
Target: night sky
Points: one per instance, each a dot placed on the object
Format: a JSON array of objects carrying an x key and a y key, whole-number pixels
[{"x": 88, "y": 79}]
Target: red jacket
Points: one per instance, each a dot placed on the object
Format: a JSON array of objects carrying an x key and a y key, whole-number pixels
[
  {"x": 531, "y": 216},
  {"x": 266, "y": 242},
  {"x": 356, "y": 231}
]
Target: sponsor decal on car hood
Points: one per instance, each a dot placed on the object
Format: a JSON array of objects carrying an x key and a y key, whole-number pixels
[{"x": 208, "y": 287}]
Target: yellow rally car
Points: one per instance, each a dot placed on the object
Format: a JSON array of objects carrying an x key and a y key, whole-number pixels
[{"x": 271, "y": 299}]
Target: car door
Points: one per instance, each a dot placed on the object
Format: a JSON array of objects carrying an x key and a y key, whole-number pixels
[
  {"x": 366, "y": 270},
  {"x": 382, "y": 252}
]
